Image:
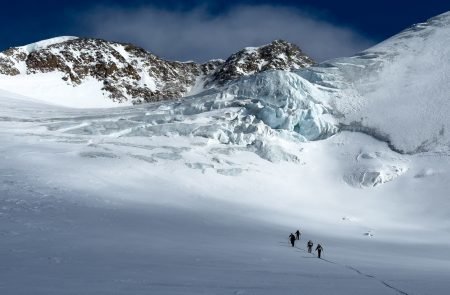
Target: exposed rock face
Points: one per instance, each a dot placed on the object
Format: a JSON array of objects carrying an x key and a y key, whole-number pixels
[
  {"x": 130, "y": 73},
  {"x": 8, "y": 60},
  {"x": 278, "y": 55}
]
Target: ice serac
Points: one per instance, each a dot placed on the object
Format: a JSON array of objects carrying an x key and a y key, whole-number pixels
[
  {"x": 126, "y": 74},
  {"x": 286, "y": 101}
]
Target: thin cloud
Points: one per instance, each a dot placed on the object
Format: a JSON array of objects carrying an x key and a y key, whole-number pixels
[{"x": 198, "y": 35}]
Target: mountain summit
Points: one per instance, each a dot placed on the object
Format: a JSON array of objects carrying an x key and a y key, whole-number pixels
[
  {"x": 126, "y": 73},
  {"x": 278, "y": 55}
]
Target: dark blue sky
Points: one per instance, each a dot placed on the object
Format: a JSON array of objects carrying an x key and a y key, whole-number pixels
[{"x": 23, "y": 22}]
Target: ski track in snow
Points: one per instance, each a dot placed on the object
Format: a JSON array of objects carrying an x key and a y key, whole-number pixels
[
  {"x": 372, "y": 277},
  {"x": 399, "y": 291}
]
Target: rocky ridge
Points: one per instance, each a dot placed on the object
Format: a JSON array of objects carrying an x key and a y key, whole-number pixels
[
  {"x": 129, "y": 73},
  {"x": 278, "y": 55}
]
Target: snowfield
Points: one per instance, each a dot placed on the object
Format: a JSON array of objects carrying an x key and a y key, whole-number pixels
[
  {"x": 89, "y": 207},
  {"x": 199, "y": 195},
  {"x": 44, "y": 87}
]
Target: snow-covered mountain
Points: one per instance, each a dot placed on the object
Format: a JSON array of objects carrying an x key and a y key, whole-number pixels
[
  {"x": 198, "y": 195},
  {"x": 112, "y": 73}
]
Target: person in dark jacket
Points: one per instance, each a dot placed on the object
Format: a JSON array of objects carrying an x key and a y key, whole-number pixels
[
  {"x": 297, "y": 234},
  {"x": 319, "y": 250},
  {"x": 292, "y": 239},
  {"x": 309, "y": 245}
]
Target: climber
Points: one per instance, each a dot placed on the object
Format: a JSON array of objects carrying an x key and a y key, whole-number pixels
[
  {"x": 309, "y": 245},
  {"x": 319, "y": 250},
  {"x": 298, "y": 234},
  {"x": 292, "y": 239}
]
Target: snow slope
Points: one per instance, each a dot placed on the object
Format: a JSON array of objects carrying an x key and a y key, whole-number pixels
[
  {"x": 132, "y": 200},
  {"x": 398, "y": 89},
  {"x": 47, "y": 88}
]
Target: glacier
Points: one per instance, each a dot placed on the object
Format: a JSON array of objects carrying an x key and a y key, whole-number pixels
[{"x": 199, "y": 194}]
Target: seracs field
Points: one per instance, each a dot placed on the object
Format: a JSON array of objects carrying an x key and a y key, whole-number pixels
[{"x": 198, "y": 195}]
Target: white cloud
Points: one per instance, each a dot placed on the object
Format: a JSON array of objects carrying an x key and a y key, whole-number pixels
[{"x": 196, "y": 35}]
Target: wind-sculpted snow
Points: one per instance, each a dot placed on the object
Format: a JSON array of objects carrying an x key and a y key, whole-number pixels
[{"x": 375, "y": 168}]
